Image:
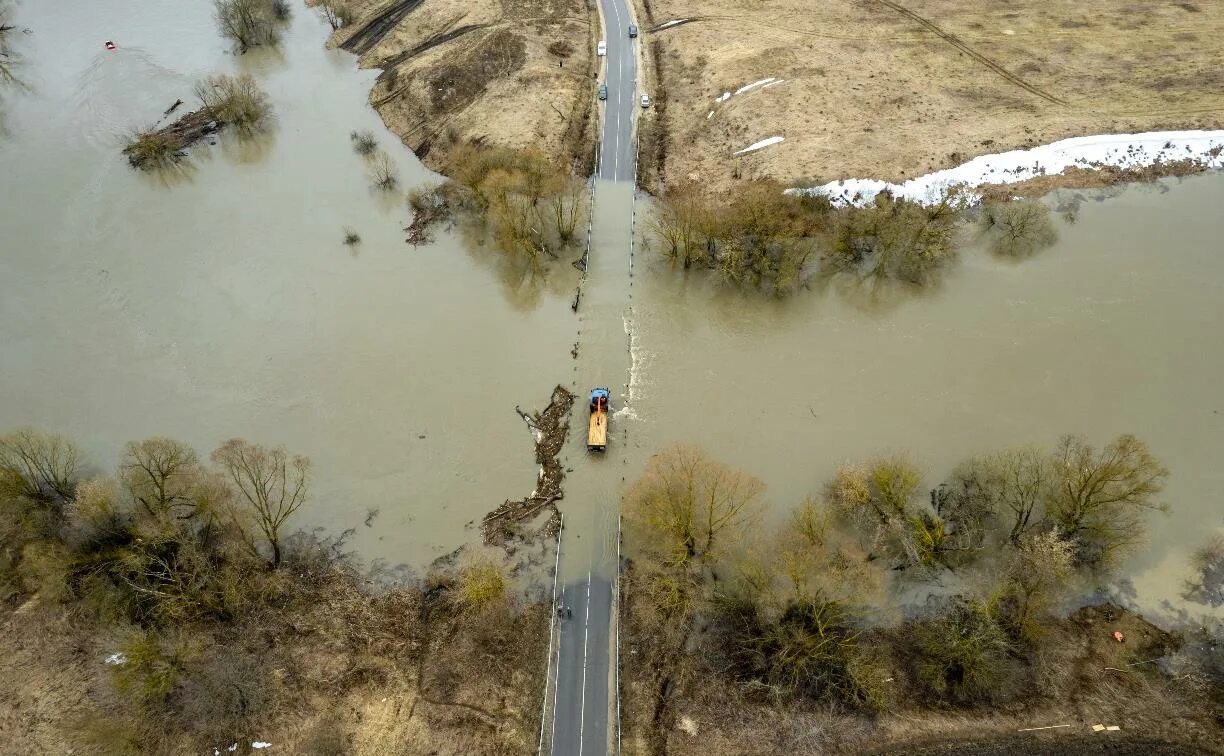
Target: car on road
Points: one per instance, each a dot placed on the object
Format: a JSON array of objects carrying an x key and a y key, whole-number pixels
[
  {"x": 645, "y": 100},
  {"x": 603, "y": 91},
  {"x": 632, "y": 31},
  {"x": 602, "y": 47}
]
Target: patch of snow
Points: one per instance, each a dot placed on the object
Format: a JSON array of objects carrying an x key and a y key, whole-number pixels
[
  {"x": 723, "y": 97},
  {"x": 755, "y": 84},
  {"x": 116, "y": 659},
  {"x": 709, "y": 115},
  {"x": 1115, "y": 150},
  {"x": 773, "y": 83},
  {"x": 259, "y": 745},
  {"x": 761, "y": 144},
  {"x": 673, "y": 22},
  {"x": 233, "y": 747}
]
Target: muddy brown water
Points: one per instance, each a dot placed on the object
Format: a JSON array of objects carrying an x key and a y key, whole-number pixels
[
  {"x": 225, "y": 305},
  {"x": 1115, "y": 329}
]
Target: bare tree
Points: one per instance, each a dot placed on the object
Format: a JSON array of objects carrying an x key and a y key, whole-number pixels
[
  {"x": 1013, "y": 484},
  {"x": 247, "y": 22},
  {"x": 6, "y": 55},
  {"x": 160, "y": 474},
  {"x": 1101, "y": 496},
  {"x": 44, "y": 466},
  {"x": 382, "y": 172},
  {"x": 894, "y": 239},
  {"x": 566, "y": 202},
  {"x": 685, "y": 503},
  {"x": 1208, "y": 563},
  {"x": 337, "y": 13},
  {"x": 270, "y": 483},
  {"x": 680, "y": 222}
]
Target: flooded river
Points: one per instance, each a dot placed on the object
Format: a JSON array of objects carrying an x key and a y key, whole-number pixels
[
  {"x": 1113, "y": 330},
  {"x": 224, "y": 304}
]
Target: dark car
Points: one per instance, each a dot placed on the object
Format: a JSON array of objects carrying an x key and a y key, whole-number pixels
[
  {"x": 603, "y": 91},
  {"x": 632, "y": 31}
]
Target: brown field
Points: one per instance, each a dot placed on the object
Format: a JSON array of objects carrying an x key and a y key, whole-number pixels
[
  {"x": 482, "y": 70},
  {"x": 890, "y": 90}
]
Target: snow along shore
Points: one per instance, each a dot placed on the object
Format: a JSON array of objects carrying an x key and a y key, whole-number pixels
[{"x": 1117, "y": 150}]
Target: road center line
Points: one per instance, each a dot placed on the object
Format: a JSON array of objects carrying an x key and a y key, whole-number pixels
[{"x": 586, "y": 635}]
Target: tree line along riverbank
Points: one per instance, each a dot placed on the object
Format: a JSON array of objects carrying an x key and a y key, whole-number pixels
[
  {"x": 173, "y": 606},
  {"x": 742, "y": 638}
]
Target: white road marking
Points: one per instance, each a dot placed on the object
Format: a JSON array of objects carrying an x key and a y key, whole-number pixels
[
  {"x": 552, "y": 746},
  {"x": 586, "y": 635}
]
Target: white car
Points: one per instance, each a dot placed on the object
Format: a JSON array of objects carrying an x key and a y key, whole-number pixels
[
  {"x": 645, "y": 100},
  {"x": 602, "y": 48}
]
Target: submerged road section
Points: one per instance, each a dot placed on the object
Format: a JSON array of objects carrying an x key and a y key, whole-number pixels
[{"x": 583, "y": 719}]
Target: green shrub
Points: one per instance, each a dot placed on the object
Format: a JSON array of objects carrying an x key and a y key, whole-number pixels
[
  {"x": 962, "y": 654},
  {"x": 147, "y": 668}
]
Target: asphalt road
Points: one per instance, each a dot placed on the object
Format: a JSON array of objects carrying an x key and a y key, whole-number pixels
[
  {"x": 581, "y": 722},
  {"x": 583, "y": 714},
  {"x": 617, "y": 153}
]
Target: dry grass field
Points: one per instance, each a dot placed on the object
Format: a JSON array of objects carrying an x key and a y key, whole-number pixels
[
  {"x": 513, "y": 73},
  {"x": 891, "y": 89}
]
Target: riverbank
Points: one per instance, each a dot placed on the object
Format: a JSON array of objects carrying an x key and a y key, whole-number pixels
[
  {"x": 891, "y": 91},
  {"x": 516, "y": 74},
  {"x": 1089, "y": 694},
  {"x": 148, "y": 613}
]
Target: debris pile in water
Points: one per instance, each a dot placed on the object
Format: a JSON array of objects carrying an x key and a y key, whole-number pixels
[{"x": 550, "y": 428}]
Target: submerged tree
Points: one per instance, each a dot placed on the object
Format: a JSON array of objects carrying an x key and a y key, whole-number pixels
[
  {"x": 685, "y": 505},
  {"x": 894, "y": 239},
  {"x": 249, "y": 23},
  {"x": 338, "y": 13},
  {"x": 1019, "y": 228},
  {"x": 1207, "y": 587},
  {"x": 1008, "y": 487},
  {"x": 235, "y": 101},
  {"x": 1100, "y": 497},
  {"x": 41, "y": 466},
  {"x": 7, "y": 58},
  {"x": 162, "y": 476}
]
